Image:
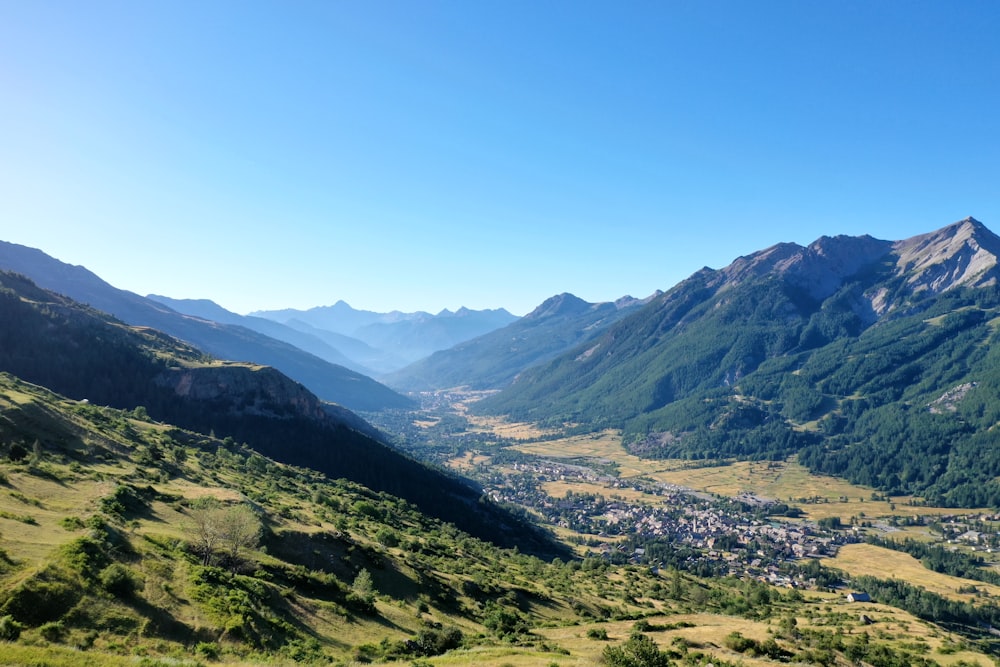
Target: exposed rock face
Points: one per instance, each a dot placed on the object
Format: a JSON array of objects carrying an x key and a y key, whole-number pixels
[
  {"x": 820, "y": 268},
  {"x": 246, "y": 390},
  {"x": 963, "y": 254},
  {"x": 960, "y": 255}
]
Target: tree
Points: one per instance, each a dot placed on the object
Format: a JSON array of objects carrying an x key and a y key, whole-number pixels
[
  {"x": 363, "y": 587},
  {"x": 228, "y": 528},
  {"x": 207, "y": 533},
  {"x": 241, "y": 529}
]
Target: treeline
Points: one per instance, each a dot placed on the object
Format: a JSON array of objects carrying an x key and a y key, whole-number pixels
[{"x": 964, "y": 617}]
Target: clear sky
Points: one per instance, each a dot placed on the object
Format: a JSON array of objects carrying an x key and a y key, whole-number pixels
[{"x": 421, "y": 155}]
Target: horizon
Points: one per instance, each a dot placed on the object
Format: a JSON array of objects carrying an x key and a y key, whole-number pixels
[{"x": 433, "y": 156}]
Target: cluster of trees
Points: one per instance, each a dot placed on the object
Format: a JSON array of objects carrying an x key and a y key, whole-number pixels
[{"x": 964, "y": 617}]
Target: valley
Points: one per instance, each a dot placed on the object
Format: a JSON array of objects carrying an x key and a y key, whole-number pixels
[{"x": 696, "y": 478}]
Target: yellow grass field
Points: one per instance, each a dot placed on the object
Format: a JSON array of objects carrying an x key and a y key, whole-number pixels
[
  {"x": 55, "y": 502},
  {"x": 708, "y": 629},
  {"x": 559, "y": 490},
  {"x": 819, "y": 496},
  {"x": 504, "y": 429},
  {"x": 467, "y": 461},
  {"x": 867, "y": 559}
]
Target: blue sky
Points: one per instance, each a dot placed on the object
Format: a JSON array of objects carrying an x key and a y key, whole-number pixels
[{"x": 427, "y": 155}]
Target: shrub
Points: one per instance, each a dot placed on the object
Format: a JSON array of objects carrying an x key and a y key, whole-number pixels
[
  {"x": 10, "y": 629},
  {"x": 207, "y": 650},
  {"x": 41, "y": 598},
  {"x": 387, "y": 537},
  {"x": 52, "y": 631},
  {"x": 597, "y": 633},
  {"x": 71, "y": 523},
  {"x": 639, "y": 649},
  {"x": 435, "y": 642},
  {"x": 118, "y": 580}
]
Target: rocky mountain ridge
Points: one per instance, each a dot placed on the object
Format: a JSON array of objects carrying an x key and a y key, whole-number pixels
[{"x": 820, "y": 350}]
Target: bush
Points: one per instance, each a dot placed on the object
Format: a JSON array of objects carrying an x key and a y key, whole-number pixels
[
  {"x": 435, "y": 642},
  {"x": 10, "y": 629},
  {"x": 597, "y": 633},
  {"x": 52, "y": 631},
  {"x": 71, "y": 523},
  {"x": 387, "y": 537},
  {"x": 118, "y": 580},
  {"x": 639, "y": 649},
  {"x": 207, "y": 650},
  {"x": 17, "y": 452}
]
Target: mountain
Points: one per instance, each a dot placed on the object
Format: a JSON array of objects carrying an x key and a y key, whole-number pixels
[
  {"x": 493, "y": 360},
  {"x": 227, "y": 341},
  {"x": 870, "y": 359},
  {"x": 209, "y": 310},
  {"x": 81, "y": 353},
  {"x": 405, "y": 337}
]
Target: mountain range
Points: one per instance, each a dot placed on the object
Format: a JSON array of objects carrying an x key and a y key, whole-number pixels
[
  {"x": 399, "y": 338},
  {"x": 493, "y": 360},
  {"x": 870, "y": 359},
  {"x": 230, "y": 341},
  {"x": 865, "y": 358}
]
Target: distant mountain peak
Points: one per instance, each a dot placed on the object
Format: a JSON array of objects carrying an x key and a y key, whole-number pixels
[{"x": 963, "y": 254}]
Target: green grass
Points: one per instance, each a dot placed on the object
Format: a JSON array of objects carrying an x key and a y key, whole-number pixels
[{"x": 105, "y": 575}]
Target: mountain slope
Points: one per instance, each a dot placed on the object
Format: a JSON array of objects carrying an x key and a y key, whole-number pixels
[
  {"x": 209, "y": 310},
  {"x": 332, "y": 383},
  {"x": 835, "y": 350},
  {"x": 128, "y": 542},
  {"x": 47, "y": 339},
  {"x": 493, "y": 360},
  {"x": 108, "y": 524}
]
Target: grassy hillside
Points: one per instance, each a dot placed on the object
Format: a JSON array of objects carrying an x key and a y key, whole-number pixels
[
  {"x": 53, "y": 341},
  {"x": 127, "y": 540}
]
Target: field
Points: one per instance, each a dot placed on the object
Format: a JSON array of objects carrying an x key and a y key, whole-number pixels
[
  {"x": 819, "y": 496},
  {"x": 867, "y": 559}
]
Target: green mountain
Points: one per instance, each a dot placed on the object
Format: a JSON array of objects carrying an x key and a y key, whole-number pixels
[
  {"x": 81, "y": 353},
  {"x": 226, "y": 341},
  {"x": 874, "y": 360},
  {"x": 493, "y": 360}
]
